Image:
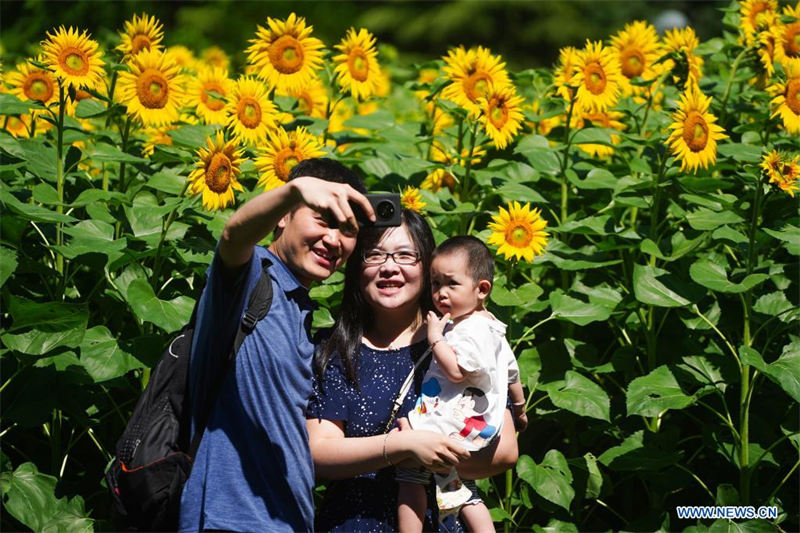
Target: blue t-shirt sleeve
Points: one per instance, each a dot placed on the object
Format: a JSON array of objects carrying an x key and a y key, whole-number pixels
[{"x": 331, "y": 394}]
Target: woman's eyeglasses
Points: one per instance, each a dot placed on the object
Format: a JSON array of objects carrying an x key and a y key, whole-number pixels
[{"x": 379, "y": 257}]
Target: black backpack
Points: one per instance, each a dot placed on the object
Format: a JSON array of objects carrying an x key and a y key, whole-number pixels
[{"x": 154, "y": 455}]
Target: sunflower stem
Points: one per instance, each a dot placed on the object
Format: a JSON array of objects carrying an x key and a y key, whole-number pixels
[
  {"x": 726, "y": 94},
  {"x": 468, "y": 165},
  {"x": 164, "y": 230},
  {"x": 121, "y": 185},
  {"x": 650, "y": 99},
  {"x": 567, "y": 143},
  {"x": 60, "y": 174}
]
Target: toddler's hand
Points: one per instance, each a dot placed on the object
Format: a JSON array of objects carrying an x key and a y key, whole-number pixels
[
  {"x": 436, "y": 326},
  {"x": 520, "y": 418}
]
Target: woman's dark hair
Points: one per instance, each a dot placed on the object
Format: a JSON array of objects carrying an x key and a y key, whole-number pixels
[{"x": 354, "y": 316}]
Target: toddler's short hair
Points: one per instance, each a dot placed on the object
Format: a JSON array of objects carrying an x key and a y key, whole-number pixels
[{"x": 480, "y": 263}]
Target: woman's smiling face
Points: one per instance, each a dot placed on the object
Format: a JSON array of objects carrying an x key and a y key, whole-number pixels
[{"x": 390, "y": 286}]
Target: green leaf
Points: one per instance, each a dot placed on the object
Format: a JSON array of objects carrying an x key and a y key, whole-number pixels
[
  {"x": 655, "y": 393},
  {"x": 8, "y": 263},
  {"x": 581, "y": 396},
  {"x": 29, "y": 496},
  {"x": 49, "y": 316},
  {"x": 89, "y": 107},
  {"x": 41, "y": 159},
  {"x": 577, "y": 311},
  {"x": 786, "y": 370},
  {"x": 712, "y": 275},
  {"x": 11, "y": 105},
  {"x": 543, "y": 160},
  {"x": 520, "y": 193},
  {"x": 10, "y": 145},
  {"x": 593, "y": 136},
  {"x": 640, "y": 451},
  {"x": 790, "y": 235},
  {"x": 750, "y": 526},
  {"x": 105, "y": 153},
  {"x": 597, "y": 178},
  {"x": 102, "y": 357},
  {"x": 747, "y": 153},
  {"x": 706, "y": 219},
  {"x": 169, "y": 181},
  {"x": 31, "y": 211},
  {"x": 192, "y": 136},
  {"x": 556, "y": 526},
  {"x": 598, "y": 225},
  {"x": 649, "y": 289},
  {"x": 729, "y": 234},
  {"x": 376, "y": 121},
  {"x": 518, "y": 297},
  {"x": 169, "y": 315},
  {"x": 773, "y": 304},
  {"x": 727, "y": 495},
  {"x": 92, "y": 236},
  {"x": 551, "y": 479}
]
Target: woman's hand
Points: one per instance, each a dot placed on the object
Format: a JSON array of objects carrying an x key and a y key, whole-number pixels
[
  {"x": 436, "y": 326},
  {"x": 428, "y": 449}
]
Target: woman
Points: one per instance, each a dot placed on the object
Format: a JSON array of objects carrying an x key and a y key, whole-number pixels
[{"x": 360, "y": 368}]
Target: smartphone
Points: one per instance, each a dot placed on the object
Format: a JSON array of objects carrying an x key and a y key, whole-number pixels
[{"x": 387, "y": 210}]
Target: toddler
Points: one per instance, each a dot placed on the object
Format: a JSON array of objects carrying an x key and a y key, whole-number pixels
[{"x": 464, "y": 391}]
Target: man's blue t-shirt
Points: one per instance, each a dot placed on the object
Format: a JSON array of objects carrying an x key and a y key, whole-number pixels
[{"x": 253, "y": 469}]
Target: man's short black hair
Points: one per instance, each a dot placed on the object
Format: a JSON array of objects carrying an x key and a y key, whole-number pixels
[
  {"x": 480, "y": 263},
  {"x": 328, "y": 170}
]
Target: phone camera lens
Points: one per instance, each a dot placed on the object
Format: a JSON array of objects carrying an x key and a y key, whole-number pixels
[{"x": 385, "y": 210}]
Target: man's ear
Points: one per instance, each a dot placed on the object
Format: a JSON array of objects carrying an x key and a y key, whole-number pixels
[
  {"x": 484, "y": 288},
  {"x": 284, "y": 220}
]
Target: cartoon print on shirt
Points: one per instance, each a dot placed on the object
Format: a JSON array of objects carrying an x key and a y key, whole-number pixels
[
  {"x": 470, "y": 410},
  {"x": 428, "y": 400}
]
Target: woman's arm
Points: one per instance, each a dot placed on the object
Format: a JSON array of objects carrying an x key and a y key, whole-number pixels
[
  {"x": 339, "y": 457},
  {"x": 494, "y": 459}
]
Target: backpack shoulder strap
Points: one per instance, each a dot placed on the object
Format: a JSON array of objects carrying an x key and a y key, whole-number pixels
[{"x": 257, "y": 308}]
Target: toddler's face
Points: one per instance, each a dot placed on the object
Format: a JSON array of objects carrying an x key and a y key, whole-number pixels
[{"x": 454, "y": 291}]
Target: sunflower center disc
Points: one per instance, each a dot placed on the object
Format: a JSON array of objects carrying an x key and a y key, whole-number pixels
[
  {"x": 498, "y": 114},
  {"x": 140, "y": 42},
  {"x": 212, "y": 102},
  {"x": 218, "y": 173},
  {"x": 152, "y": 89},
  {"x": 595, "y": 78},
  {"x": 286, "y": 54},
  {"x": 476, "y": 85},
  {"x": 632, "y": 62},
  {"x": 519, "y": 236},
  {"x": 249, "y": 113},
  {"x": 695, "y": 131},
  {"x": 792, "y": 97},
  {"x": 74, "y": 62},
  {"x": 304, "y": 104},
  {"x": 37, "y": 87},
  {"x": 793, "y": 42},
  {"x": 358, "y": 65},
  {"x": 287, "y": 159}
]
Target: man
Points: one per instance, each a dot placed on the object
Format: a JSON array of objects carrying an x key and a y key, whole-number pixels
[{"x": 253, "y": 469}]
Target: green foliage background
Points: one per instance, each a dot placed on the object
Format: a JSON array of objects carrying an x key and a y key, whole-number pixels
[{"x": 657, "y": 337}]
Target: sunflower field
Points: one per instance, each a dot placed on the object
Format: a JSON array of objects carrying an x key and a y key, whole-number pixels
[{"x": 640, "y": 195}]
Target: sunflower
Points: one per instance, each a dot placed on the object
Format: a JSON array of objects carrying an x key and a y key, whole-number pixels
[
  {"x": 183, "y": 57},
  {"x": 284, "y": 53},
  {"x": 208, "y": 93},
  {"x": 637, "y": 50},
  {"x": 411, "y": 199},
  {"x": 501, "y": 114},
  {"x": 694, "y": 134},
  {"x": 283, "y": 151},
  {"x": 250, "y": 113},
  {"x": 688, "y": 68},
  {"x": 765, "y": 49},
  {"x": 73, "y": 57},
  {"x": 32, "y": 83},
  {"x": 563, "y": 76},
  {"x": 141, "y": 33},
  {"x": 782, "y": 170},
  {"x": 472, "y": 72},
  {"x": 518, "y": 232},
  {"x": 786, "y": 101},
  {"x": 17, "y": 126},
  {"x": 754, "y": 16},
  {"x": 312, "y": 100},
  {"x": 787, "y": 36},
  {"x": 598, "y": 77},
  {"x": 152, "y": 89},
  {"x": 215, "y": 56},
  {"x": 607, "y": 119},
  {"x": 438, "y": 179},
  {"x": 216, "y": 173},
  {"x": 357, "y": 70}
]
